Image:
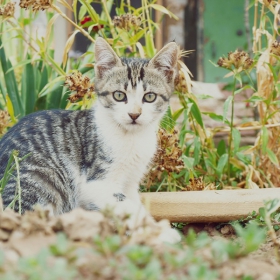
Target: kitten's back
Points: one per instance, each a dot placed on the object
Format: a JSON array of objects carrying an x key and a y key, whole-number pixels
[{"x": 59, "y": 142}]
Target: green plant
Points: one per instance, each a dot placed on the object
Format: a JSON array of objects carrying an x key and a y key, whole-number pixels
[{"x": 120, "y": 257}]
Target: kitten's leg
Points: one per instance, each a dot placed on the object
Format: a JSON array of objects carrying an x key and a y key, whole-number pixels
[
  {"x": 167, "y": 233},
  {"x": 109, "y": 194},
  {"x": 124, "y": 201}
]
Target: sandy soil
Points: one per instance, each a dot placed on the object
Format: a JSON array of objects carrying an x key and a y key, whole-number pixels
[
  {"x": 261, "y": 264},
  {"x": 26, "y": 235}
]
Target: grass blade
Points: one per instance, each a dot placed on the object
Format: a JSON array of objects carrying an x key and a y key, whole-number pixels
[
  {"x": 28, "y": 88},
  {"x": 11, "y": 83}
]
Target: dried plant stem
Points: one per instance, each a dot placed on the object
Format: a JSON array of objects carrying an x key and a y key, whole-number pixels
[
  {"x": 273, "y": 235},
  {"x": 150, "y": 33},
  {"x": 231, "y": 127},
  {"x": 73, "y": 23},
  {"x": 227, "y": 129},
  {"x": 18, "y": 188},
  {"x": 23, "y": 37},
  {"x": 48, "y": 60},
  {"x": 113, "y": 32},
  {"x": 255, "y": 26},
  {"x": 247, "y": 26},
  {"x": 261, "y": 27}
]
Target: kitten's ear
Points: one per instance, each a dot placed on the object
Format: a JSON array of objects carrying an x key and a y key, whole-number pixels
[
  {"x": 166, "y": 60},
  {"x": 105, "y": 57}
]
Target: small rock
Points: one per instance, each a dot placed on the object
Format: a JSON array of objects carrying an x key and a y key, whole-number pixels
[
  {"x": 4, "y": 235},
  {"x": 198, "y": 227},
  {"x": 81, "y": 225},
  {"x": 227, "y": 229},
  {"x": 9, "y": 220}
]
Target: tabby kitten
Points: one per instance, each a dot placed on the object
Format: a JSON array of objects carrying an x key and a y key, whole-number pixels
[{"x": 95, "y": 158}]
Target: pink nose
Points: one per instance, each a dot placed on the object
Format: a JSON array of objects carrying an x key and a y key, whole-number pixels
[{"x": 134, "y": 116}]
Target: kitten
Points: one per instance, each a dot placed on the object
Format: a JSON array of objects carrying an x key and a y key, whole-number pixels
[{"x": 95, "y": 158}]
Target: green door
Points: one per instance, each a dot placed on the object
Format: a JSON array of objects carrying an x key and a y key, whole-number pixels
[{"x": 224, "y": 31}]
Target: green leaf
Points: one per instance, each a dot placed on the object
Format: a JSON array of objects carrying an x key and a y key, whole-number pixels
[
  {"x": 203, "y": 96},
  {"x": 196, "y": 112},
  {"x": 244, "y": 158},
  {"x": 255, "y": 98},
  {"x": 209, "y": 165},
  {"x": 221, "y": 164},
  {"x": 243, "y": 88},
  {"x": 28, "y": 89},
  {"x": 275, "y": 75},
  {"x": 226, "y": 107},
  {"x": 44, "y": 78},
  {"x": 236, "y": 139},
  {"x": 64, "y": 98},
  {"x": 214, "y": 116},
  {"x": 197, "y": 146},
  {"x": 163, "y": 10},
  {"x": 134, "y": 39},
  {"x": 238, "y": 78},
  {"x": 52, "y": 86},
  {"x": 252, "y": 236},
  {"x": 189, "y": 162},
  {"x": 11, "y": 84},
  {"x": 272, "y": 206},
  {"x": 22, "y": 63},
  {"x": 177, "y": 114},
  {"x": 221, "y": 149},
  {"x": 82, "y": 12},
  {"x": 262, "y": 212},
  {"x": 10, "y": 109},
  {"x": 264, "y": 139},
  {"x": 167, "y": 121},
  {"x": 54, "y": 98},
  {"x": 74, "y": 5},
  {"x": 149, "y": 44},
  {"x": 91, "y": 11},
  {"x": 273, "y": 158},
  {"x": 3, "y": 92}
]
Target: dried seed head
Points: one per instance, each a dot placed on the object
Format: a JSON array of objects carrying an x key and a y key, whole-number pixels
[
  {"x": 127, "y": 21},
  {"x": 168, "y": 156},
  {"x": 80, "y": 84},
  {"x": 7, "y": 10},
  {"x": 196, "y": 184},
  {"x": 275, "y": 48},
  {"x": 237, "y": 59},
  {"x": 267, "y": 2},
  {"x": 180, "y": 82},
  {"x": 5, "y": 121},
  {"x": 224, "y": 62},
  {"x": 36, "y": 5}
]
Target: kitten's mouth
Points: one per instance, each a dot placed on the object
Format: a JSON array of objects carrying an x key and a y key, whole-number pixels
[{"x": 134, "y": 122}]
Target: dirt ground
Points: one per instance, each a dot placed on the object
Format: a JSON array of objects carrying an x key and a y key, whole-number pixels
[
  {"x": 23, "y": 236},
  {"x": 260, "y": 264}
]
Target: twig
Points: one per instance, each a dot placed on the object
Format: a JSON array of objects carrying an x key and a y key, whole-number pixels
[
  {"x": 227, "y": 129},
  {"x": 247, "y": 27},
  {"x": 255, "y": 26},
  {"x": 18, "y": 188},
  {"x": 231, "y": 128},
  {"x": 73, "y": 23}
]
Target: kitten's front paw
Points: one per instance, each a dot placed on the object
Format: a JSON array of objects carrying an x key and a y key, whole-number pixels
[{"x": 168, "y": 234}]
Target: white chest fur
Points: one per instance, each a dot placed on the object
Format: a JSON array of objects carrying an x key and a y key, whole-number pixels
[{"x": 131, "y": 152}]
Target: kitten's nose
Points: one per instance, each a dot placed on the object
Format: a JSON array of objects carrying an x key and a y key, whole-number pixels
[{"x": 134, "y": 116}]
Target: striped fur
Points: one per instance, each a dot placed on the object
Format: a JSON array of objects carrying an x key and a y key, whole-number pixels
[{"x": 94, "y": 158}]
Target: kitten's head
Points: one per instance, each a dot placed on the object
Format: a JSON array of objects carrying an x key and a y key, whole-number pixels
[{"x": 135, "y": 92}]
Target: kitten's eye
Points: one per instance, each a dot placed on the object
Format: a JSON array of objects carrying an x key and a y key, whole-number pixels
[
  {"x": 149, "y": 97},
  {"x": 119, "y": 96}
]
